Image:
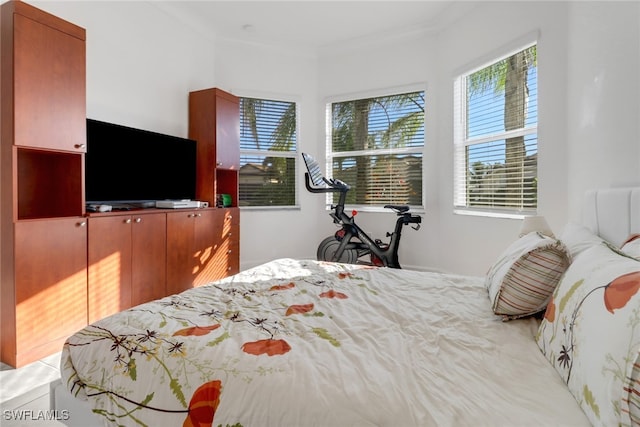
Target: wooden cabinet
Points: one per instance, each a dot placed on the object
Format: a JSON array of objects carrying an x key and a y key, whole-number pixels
[
  {"x": 47, "y": 299},
  {"x": 42, "y": 142},
  {"x": 49, "y": 81},
  {"x": 189, "y": 242},
  {"x": 227, "y": 112},
  {"x": 43, "y": 107},
  {"x": 202, "y": 246},
  {"x": 214, "y": 121},
  {"x": 148, "y": 258},
  {"x": 127, "y": 262}
]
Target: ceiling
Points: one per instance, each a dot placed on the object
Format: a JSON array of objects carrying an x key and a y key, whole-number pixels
[{"x": 310, "y": 24}]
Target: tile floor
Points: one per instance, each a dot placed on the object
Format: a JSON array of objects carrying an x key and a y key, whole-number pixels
[{"x": 24, "y": 393}]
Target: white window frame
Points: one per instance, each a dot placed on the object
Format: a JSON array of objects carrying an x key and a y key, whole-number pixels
[
  {"x": 295, "y": 155},
  {"x": 330, "y": 155},
  {"x": 460, "y": 140}
]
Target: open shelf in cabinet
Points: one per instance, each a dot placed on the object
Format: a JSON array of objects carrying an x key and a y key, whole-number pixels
[
  {"x": 227, "y": 183},
  {"x": 50, "y": 184}
]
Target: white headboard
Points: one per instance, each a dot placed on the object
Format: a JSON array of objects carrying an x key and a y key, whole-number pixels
[{"x": 612, "y": 213}]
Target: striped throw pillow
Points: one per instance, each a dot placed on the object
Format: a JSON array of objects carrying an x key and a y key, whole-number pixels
[{"x": 525, "y": 275}]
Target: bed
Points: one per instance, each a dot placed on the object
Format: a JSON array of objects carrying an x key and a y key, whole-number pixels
[{"x": 299, "y": 342}]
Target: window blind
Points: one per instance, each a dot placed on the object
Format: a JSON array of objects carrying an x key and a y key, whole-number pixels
[
  {"x": 376, "y": 146},
  {"x": 495, "y": 136},
  {"x": 268, "y": 152}
]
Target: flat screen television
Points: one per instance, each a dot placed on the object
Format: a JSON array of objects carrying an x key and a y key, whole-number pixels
[{"x": 128, "y": 166}]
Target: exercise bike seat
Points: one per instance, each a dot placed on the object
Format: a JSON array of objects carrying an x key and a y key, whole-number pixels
[{"x": 397, "y": 208}]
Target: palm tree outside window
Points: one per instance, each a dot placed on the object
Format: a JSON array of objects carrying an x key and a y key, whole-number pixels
[
  {"x": 376, "y": 145},
  {"x": 268, "y": 153},
  {"x": 496, "y": 136}
]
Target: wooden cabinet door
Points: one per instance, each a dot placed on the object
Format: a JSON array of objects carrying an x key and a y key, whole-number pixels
[
  {"x": 206, "y": 239},
  {"x": 109, "y": 246},
  {"x": 202, "y": 246},
  {"x": 149, "y": 257},
  {"x": 181, "y": 265},
  {"x": 49, "y": 85},
  {"x": 233, "y": 253},
  {"x": 50, "y": 284},
  {"x": 226, "y": 257},
  {"x": 227, "y": 131}
]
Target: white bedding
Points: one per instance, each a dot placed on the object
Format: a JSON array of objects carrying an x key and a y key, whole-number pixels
[{"x": 352, "y": 346}]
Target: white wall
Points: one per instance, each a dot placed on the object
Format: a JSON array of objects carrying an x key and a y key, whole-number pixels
[
  {"x": 588, "y": 70},
  {"x": 449, "y": 242},
  {"x": 604, "y": 97},
  {"x": 142, "y": 63},
  {"x": 493, "y": 29}
]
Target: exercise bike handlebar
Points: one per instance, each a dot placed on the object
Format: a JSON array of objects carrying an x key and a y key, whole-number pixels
[{"x": 334, "y": 185}]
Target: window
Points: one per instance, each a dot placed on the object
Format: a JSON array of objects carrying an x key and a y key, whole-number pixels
[
  {"x": 375, "y": 145},
  {"x": 496, "y": 136},
  {"x": 268, "y": 152}
]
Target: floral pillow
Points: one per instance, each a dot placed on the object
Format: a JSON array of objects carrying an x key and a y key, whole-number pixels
[
  {"x": 591, "y": 334},
  {"x": 521, "y": 281},
  {"x": 631, "y": 246}
]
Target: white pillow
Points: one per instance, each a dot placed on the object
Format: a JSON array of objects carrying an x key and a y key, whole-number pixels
[
  {"x": 577, "y": 238},
  {"x": 521, "y": 281},
  {"x": 631, "y": 246}
]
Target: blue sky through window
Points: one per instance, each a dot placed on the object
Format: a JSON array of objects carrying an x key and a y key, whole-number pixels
[{"x": 486, "y": 117}]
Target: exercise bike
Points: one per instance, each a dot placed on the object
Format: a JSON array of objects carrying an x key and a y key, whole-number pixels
[{"x": 350, "y": 242}]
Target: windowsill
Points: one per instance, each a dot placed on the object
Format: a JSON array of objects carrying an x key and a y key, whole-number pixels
[
  {"x": 493, "y": 214},
  {"x": 270, "y": 208},
  {"x": 378, "y": 209}
]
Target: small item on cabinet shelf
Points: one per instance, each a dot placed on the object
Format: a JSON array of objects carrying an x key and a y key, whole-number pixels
[
  {"x": 223, "y": 201},
  {"x": 180, "y": 204},
  {"x": 99, "y": 208}
]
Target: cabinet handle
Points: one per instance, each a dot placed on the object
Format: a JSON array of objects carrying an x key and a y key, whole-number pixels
[
  {"x": 127, "y": 221},
  {"x": 218, "y": 163},
  {"x": 138, "y": 219},
  {"x": 82, "y": 223},
  {"x": 230, "y": 217},
  {"x": 80, "y": 146},
  {"x": 228, "y": 268},
  {"x": 229, "y": 251},
  {"x": 199, "y": 215}
]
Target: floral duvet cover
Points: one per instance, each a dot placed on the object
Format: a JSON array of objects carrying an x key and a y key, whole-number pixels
[{"x": 309, "y": 343}]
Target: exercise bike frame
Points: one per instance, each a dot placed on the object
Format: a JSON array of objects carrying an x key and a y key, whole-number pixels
[{"x": 386, "y": 254}]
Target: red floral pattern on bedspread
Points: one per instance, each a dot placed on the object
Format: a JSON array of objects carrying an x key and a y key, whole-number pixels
[
  {"x": 299, "y": 309},
  {"x": 333, "y": 294},
  {"x": 196, "y": 330},
  {"x": 269, "y": 347},
  {"x": 203, "y": 405}
]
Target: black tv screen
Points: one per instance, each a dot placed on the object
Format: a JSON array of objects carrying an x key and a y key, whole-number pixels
[{"x": 124, "y": 164}]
